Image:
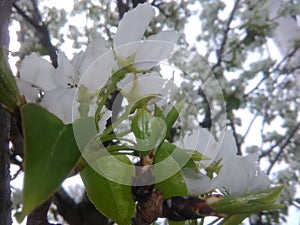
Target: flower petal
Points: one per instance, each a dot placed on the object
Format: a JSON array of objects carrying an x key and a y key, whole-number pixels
[
  {"x": 64, "y": 72},
  {"x": 98, "y": 72},
  {"x": 150, "y": 84},
  {"x": 227, "y": 147},
  {"x": 95, "y": 49},
  {"x": 30, "y": 93},
  {"x": 204, "y": 142},
  {"x": 196, "y": 182},
  {"x": 59, "y": 102},
  {"x": 155, "y": 48},
  {"x": 132, "y": 28},
  {"x": 235, "y": 174},
  {"x": 38, "y": 71}
]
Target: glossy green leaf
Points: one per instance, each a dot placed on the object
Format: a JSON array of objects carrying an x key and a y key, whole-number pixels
[
  {"x": 149, "y": 131},
  {"x": 140, "y": 125},
  {"x": 185, "y": 158},
  {"x": 176, "y": 181},
  {"x": 112, "y": 199},
  {"x": 51, "y": 153},
  {"x": 173, "y": 115},
  {"x": 158, "y": 112}
]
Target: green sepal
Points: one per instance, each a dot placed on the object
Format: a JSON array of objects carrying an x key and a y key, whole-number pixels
[
  {"x": 173, "y": 115},
  {"x": 9, "y": 92},
  {"x": 249, "y": 203}
]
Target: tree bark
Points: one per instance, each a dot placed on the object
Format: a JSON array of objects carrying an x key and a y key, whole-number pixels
[
  {"x": 5, "y": 203},
  {"x": 5, "y": 193}
]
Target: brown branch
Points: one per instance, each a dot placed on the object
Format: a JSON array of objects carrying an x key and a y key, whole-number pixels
[
  {"x": 282, "y": 147},
  {"x": 122, "y": 8},
  {"x": 225, "y": 35},
  {"x": 148, "y": 211},
  {"x": 267, "y": 152},
  {"x": 5, "y": 192},
  {"x": 235, "y": 135},
  {"x": 42, "y": 29},
  {"x": 39, "y": 215},
  {"x": 283, "y": 60},
  {"x": 80, "y": 213},
  {"x": 5, "y": 203},
  {"x": 248, "y": 129}
]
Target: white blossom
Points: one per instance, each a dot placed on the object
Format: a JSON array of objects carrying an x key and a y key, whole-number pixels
[
  {"x": 238, "y": 174},
  {"x": 59, "y": 84},
  {"x": 128, "y": 44}
]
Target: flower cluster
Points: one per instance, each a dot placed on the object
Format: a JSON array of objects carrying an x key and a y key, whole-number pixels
[
  {"x": 235, "y": 174},
  {"x": 92, "y": 69},
  {"x": 72, "y": 90}
]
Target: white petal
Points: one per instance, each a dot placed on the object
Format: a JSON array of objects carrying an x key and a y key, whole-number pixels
[
  {"x": 64, "y": 72},
  {"x": 202, "y": 141},
  {"x": 59, "y": 102},
  {"x": 236, "y": 173},
  {"x": 150, "y": 84},
  {"x": 196, "y": 182},
  {"x": 30, "y": 93},
  {"x": 155, "y": 48},
  {"x": 98, "y": 73},
  {"x": 77, "y": 62},
  {"x": 133, "y": 26},
  {"x": 227, "y": 148},
  {"x": 95, "y": 49},
  {"x": 259, "y": 182},
  {"x": 38, "y": 71}
]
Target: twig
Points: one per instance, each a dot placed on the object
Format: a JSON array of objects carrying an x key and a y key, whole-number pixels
[
  {"x": 267, "y": 152},
  {"x": 42, "y": 30},
  {"x": 238, "y": 144},
  {"x": 248, "y": 129},
  {"x": 281, "y": 149},
  {"x": 225, "y": 35}
]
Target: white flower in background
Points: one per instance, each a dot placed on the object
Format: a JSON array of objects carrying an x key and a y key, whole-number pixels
[
  {"x": 238, "y": 174},
  {"x": 129, "y": 47},
  {"x": 59, "y": 84}
]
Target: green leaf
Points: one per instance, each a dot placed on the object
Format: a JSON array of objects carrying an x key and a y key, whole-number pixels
[
  {"x": 172, "y": 116},
  {"x": 170, "y": 222},
  {"x": 158, "y": 112},
  {"x": 185, "y": 158},
  {"x": 176, "y": 181},
  {"x": 112, "y": 199},
  {"x": 140, "y": 125},
  {"x": 249, "y": 203},
  {"x": 149, "y": 131},
  {"x": 9, "y": 92},
  {"x": 51, "y": 153}
]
